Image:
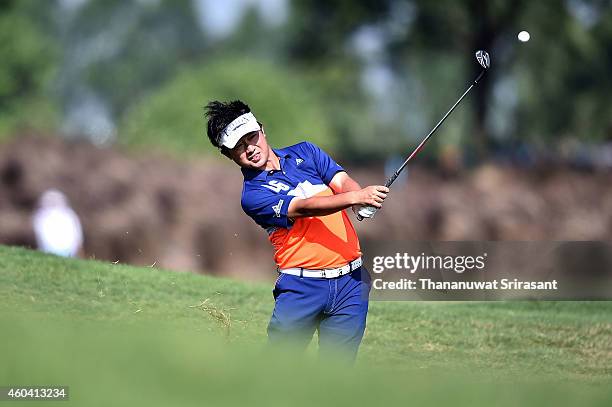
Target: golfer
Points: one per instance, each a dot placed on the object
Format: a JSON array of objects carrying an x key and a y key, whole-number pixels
[{"x": 298, "y": 195}]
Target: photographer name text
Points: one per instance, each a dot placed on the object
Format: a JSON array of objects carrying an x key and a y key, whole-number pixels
[{"x": 429, "y": 284}]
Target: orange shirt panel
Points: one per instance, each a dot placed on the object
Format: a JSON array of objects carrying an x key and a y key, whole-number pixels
[{"x": 316, "y": 242}]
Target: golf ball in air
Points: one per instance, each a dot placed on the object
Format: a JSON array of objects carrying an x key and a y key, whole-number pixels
[{"x": 523, "y": 36}]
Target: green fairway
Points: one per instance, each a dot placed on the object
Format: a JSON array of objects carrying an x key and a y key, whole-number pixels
[{"x": 119, "y": 335}]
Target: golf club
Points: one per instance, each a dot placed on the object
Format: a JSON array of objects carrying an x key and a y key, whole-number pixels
[{"x": 485, "y": 62}]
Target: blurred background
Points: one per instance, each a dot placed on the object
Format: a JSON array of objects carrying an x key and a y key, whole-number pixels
[{"x": 102, "y": 101}]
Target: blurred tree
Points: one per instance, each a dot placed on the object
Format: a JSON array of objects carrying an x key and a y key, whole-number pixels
[
  {"x": 381, "y": 72},
  {"x": 429, "y": 48},
  {"x": 122, "y": 49},
  {"x": 318, "y": 43},
  {"x": 564, "y": 72},
  {"x": 453, "y": 31},
  {"x": 320, "y": 28},
  {"x": 29, "y": 57},
  {"x": 173, "y": 117}
]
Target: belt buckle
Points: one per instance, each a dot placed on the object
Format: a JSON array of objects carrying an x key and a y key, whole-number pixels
[
  {"x": 328, "y": 273},
  {"x": 342, "y": 269}
]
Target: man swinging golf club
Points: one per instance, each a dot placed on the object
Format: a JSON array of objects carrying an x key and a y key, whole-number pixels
[{"x": 299, "y": 194}]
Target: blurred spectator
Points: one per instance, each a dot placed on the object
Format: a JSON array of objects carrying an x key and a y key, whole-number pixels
[{"x": 56, "y": 226}]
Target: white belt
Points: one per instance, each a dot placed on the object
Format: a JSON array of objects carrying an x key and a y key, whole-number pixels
[{"x": 324, "y": 273}]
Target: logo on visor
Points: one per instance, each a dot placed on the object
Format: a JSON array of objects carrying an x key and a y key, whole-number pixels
[
  {"x": 239, "y": 125},
  {"x": 277, "y": 208}
]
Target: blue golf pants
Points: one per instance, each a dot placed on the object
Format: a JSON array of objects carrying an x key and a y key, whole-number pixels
[{"x": 337, "y": 307}]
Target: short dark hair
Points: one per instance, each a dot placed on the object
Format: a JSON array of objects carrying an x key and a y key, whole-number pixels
[{"x": 219, "y": 115}]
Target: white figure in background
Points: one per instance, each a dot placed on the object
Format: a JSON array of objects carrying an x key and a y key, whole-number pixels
[{"x": 57, "y": 227}]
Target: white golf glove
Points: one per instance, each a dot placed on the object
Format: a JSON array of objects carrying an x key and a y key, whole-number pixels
[{"x": 366, "y": 212}]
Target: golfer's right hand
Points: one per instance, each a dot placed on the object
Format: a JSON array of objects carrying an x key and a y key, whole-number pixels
[{"x": 374, "y": 195}]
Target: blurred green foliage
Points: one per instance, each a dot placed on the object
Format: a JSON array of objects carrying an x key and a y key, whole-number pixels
[
  {"x": 318, "y": 29},
  {"x": 172, "y": 118},
  {"x": 144, "y": 43},
  {"x": 331, "y": 55},
  {"x": 564, "y": 72},
  {"x": 29, "y": 58},
  {"x": 555, "y": 85}
]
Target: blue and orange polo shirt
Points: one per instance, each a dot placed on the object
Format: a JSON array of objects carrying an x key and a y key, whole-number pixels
[{"x": 315, "y": 242}]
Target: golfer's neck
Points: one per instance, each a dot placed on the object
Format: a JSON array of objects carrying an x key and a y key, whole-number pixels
[{"x": 273, "y": 161}]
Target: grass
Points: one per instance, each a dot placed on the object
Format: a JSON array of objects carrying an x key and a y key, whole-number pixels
[{"x": 120, "y": 335}]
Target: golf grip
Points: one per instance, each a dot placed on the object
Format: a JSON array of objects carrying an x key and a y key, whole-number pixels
[{"x": 372, "y": 210}]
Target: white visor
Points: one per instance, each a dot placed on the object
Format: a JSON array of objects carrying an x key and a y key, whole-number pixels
[{"x": 234, "y": 131}]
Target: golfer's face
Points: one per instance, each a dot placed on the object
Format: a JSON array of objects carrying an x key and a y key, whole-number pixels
[{"x": 251, "y": 151}]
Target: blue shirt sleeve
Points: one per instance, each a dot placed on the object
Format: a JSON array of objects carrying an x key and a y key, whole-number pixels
[
  {"x": 325, "y": 165},
  {"x": 266, "y": 207}
]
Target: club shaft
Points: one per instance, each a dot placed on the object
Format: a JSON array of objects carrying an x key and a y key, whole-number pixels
[{"x": 393, "y": 177}]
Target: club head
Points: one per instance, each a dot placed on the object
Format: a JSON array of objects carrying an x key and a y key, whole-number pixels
[{"x": 483, "y": 59}]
